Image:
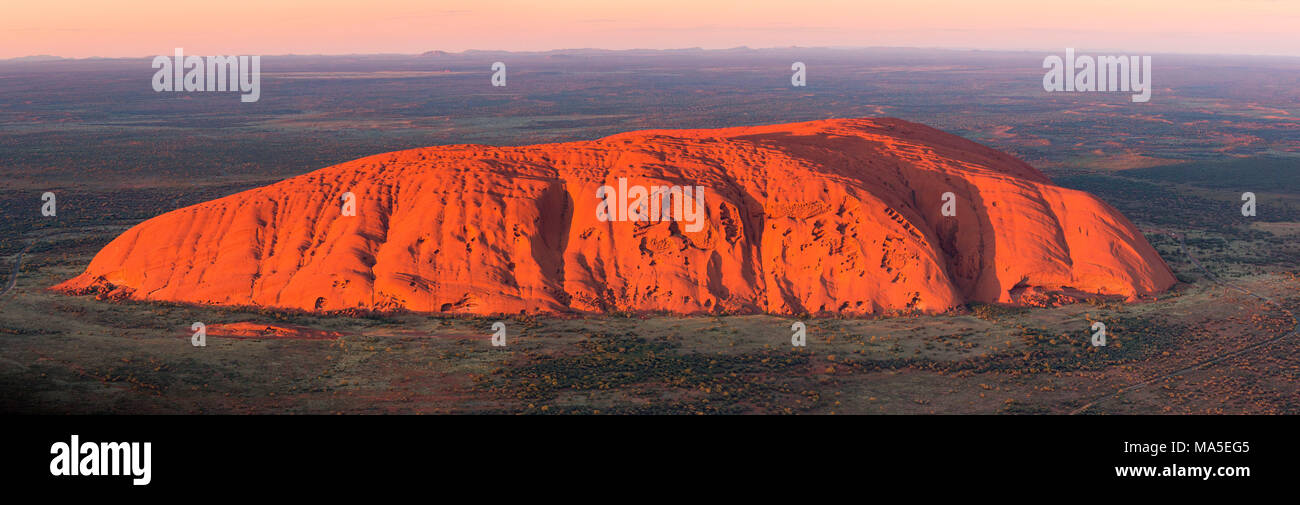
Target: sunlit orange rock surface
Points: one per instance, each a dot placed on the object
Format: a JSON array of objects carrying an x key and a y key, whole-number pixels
[{"x": 839, "y": 216}]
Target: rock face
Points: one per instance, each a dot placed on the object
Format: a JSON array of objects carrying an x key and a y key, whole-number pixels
[{"x": 834, "y": 216}]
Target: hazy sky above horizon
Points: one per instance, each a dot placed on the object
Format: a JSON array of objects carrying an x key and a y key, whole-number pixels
[{"x": 130, "y": 28}]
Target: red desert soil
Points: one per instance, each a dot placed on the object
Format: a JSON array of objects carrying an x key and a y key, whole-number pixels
[
  {"x": 836, "y": 215},
  {"x": 259, "y": 330}
]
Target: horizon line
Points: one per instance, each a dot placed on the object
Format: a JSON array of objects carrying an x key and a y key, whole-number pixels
[{"x": 45, "y": 57}]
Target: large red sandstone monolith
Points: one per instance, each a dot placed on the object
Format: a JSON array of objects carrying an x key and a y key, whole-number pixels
[{"x": 825, "y": 216}]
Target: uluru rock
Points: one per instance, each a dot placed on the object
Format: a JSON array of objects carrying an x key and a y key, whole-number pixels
[{"x": 835, "y": 216}]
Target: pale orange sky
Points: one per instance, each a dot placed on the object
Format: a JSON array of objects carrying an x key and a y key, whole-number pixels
[{"x": 83, "y": 28}]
